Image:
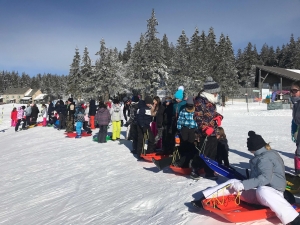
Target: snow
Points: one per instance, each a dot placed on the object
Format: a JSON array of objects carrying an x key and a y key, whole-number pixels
[{"x": 49, "y": 179}]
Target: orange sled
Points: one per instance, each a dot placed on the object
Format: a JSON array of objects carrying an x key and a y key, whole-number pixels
[
  {"x": 183, "y": 171},
  {"x": 39, "y": 124},
  {"x": 72, "y": 135},
  {"x": 148, "y": 157},
  {"x": 237, "y": 212}
]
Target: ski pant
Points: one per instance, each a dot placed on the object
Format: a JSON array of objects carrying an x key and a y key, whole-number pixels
[
  {"x": 62, "y": 121},
  {"x": 133, "y": 135},
  {"x": 86, "y": 127},
  {"x": 18, "y": 124},
  {"x": 210, "y": 151},
  {"x": 44, "y": 121},
  {"x": 78, "y": 128},
  {"x": 33, "y": 120},
  {"x": 116, "y": 130},
  {"x": 70, "y": 124},
  {"x": 13, "y": 123},
  {"x": 102, "y": 133},
  {"x": 262, "y": 195},
  {"x": 167, "y": 140},
  {"x": 155, "y": 131},
  {"x": 142, "y": 136},
  {"x": 28, "y": 118},
  {"x": 92, "y": 122}
]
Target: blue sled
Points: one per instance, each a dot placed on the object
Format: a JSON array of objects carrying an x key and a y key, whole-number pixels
[{"x": 230, "y": 172}]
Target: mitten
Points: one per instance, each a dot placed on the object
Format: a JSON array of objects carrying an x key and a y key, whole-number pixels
[
  {"x": 218, "y": 120},
  {"x": 237, "y": 186},
  {"x": 208, "y": 131},
  {"x": 159, "y": 134}
]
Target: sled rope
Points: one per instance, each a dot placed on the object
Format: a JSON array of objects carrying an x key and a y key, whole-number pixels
[
  {"x": 144, "y": 140},
  {"x": 214, "y": 199},
  {"x": 203, "y": 146},
  {"x": 175, "y": 154}
]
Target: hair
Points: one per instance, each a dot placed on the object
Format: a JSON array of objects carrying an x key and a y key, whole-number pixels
[
  {"x": 156, "y": 98},
  {"x": 102, "y": 105},
  {"x": 44, "y": 105},
  {"x": 268, "y": 147},
  {"x": 14, "y": 109},
  {"x": 222, "y": 132},
  {"x": 296, "y": 83},
  {"x": 168, "y": 98}
]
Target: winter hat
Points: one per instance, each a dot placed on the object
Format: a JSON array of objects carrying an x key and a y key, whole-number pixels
[
  {"x": 135, "y": 99},
  {"x": 125, "y": 99},
  {"x": 70, "y": 99},
  {"x": 116, "y": 101},
  {"x": 255, "y": 141},
  {"x": 179, "y": 94},
  {"x": 148, "y": 100},
  {"x": 190, "y": 100},
  {"x": 181, "y": 88},
  {"x": 210, "y": 86}
]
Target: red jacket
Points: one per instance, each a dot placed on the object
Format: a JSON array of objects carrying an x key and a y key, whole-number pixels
[{"x": 13, "y": 115}]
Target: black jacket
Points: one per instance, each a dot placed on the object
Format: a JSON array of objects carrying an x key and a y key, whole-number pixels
[
  {"x": 50, "y": 108},
  {"x": 34, "y": 111},
  {"x": 168, "y": 114},
  {"x": 143, "y": 116},
  {"x": 133, "y": 111},
  {"x": 159, "y": 118},
  {"x": 126, "y": 108},
  {"x": 92, "y": 110}
]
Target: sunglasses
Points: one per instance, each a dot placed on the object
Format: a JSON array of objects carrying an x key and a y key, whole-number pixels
[{"x": 294, "y": 91}]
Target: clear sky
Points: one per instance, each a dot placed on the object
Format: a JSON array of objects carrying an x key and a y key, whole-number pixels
[{"x": 40, "y": 36}]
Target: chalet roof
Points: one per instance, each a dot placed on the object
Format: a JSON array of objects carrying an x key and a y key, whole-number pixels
[
  {"x": 31, "y": 92},
  {"x": 16, "y": 91},
  {"x": 280, "y": 72}
]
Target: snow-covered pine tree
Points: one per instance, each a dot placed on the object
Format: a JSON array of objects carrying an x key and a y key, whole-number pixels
[
  {"x": 211, "y": 45},
  {"x": 167, "y": 51},
  {"x": 180, "y": 67},
  {"x": 86, "y": 72},
  {"x": 127, "y": 52},
  {"x": 25, "y": 80},
  {"x": 74, "y": 78}
]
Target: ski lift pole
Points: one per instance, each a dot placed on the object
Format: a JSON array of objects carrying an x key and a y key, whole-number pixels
[{"x": 246, "y": 95}]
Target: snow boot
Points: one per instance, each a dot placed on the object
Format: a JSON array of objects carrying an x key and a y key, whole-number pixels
[
  {"x": 78, "y": 136},
  {"x": 198, "y": 203},
  {"x": 195, "y": 175},
  {"x": 297, "y": 165},
  {"x": 296, "y": 221},
  {"x": 156, "y": 163}
]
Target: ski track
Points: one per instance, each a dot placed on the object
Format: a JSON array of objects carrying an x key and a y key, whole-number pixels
[{"x": 49, "y": 179}]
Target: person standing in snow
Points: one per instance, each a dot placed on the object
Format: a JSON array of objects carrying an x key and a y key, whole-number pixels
[
  {"x": 50, "y": 109},
  {"x": 295, "y": 97},
  {"x": 222, "y": 148},
  {"x": 92, "y": 113},
  {"x": 157, "y": 111},
  {"x": 126, "y": 108},
  {"x": 103, "y": 118},
  {"x": 265, "y": 185},
  {"x": 20, "y": 117},
  {"x": 13, "y": 117},
  {"x": 70, "y": 116},
  {"x": 44, "y": 115},
  {"x": 131, "y": 124},
  {"x": 28, "y": 117},
  {"x": 34, "y": 114},
  {"x": 208, "y": 120},
  {"x": 167, "y": 138},
  {"x": 79, "y": 119},
  {"x": 116, "y": 118}
]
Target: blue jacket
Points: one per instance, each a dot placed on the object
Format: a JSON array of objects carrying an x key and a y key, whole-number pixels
[
  {"x": 186, "y": 119},
  {"x": 143, "y": 116},
  {"x": 177, "y": 107}
]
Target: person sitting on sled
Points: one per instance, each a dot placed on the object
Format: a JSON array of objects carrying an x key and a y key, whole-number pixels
[
  {"x": 186, "y": 125},
  {"x": 265, "y": 185}
]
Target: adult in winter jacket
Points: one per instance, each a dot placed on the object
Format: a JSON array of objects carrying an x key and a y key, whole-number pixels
[
  {"x": 92, "y": 113},
  {"x": 70, "y": 116},
  {"x": 144, "y": 119},
  {"x": 51, "y": 108},
  {"x": 28, "y": 116},
  {"x": 266, "y": 183},
  {"x": 126, "y": 108},
  {"x": 44, "y": 114},
  {"x": 116, "y": 118},
  {"x": 295, "y": 97},
  {"x": 208, "y": 120},
  {"x": 157, "y": 111},
  {"x": 34, "y": 113},
  {"x": 103, "y": 118},
  {"x": 167, "y": 138}
]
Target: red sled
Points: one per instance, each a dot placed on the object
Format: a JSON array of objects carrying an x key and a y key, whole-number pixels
[
  {"x": 184, "y": 171},
  {"x": 39, "y": 124},
  {"x": 229, "y": 209},
  {"x": 72, "y": 135},
  {"x": 148, "y": 157}
]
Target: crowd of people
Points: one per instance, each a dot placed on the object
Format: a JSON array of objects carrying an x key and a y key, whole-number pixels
[{"x": 178, "y": 127}]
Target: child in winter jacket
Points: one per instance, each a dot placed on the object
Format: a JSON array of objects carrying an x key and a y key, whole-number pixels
[
  {"x": 13, "y": 117},
  {"x": 20, "y": 117},
  {"x": 222, "y": 149},
  {"x": 103, "y": 118},
  {"x": 79, "y": 119},
  {"x": 116, "y": 118},
  {"x": 44, "y": 115},
  {"x": 265, "y": 185}
]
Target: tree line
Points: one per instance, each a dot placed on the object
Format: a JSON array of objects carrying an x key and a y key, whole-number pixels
[{"x": 151, "y": 64}]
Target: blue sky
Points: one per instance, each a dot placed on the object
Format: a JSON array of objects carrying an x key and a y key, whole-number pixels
[{"x": 40, "y": 36}]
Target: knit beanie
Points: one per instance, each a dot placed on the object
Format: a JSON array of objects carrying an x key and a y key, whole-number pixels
[
  {"x": 148, "y": 100},
  {"x": 190, "y": 100},
  {"x": 255, "y": 141},
  {"x": 179, "y": 94},
  {"x": 135, "y": 99},
  {"x": 210, "y": 86},
  {"x": 116, "y": 101},
  {"x": 125, "y": 99},
  {"x": 181, "y": 88}
]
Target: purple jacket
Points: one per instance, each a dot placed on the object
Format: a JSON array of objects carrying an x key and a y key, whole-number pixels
[
  {"x": 20, "y": 113},
  {"x": 102, "y": 116}
]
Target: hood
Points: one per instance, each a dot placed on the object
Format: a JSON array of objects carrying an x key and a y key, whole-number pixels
[{"x": 142, "y": 104}]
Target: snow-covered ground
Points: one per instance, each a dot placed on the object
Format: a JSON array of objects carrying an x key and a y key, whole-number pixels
[{"x": 49, "y": 179}]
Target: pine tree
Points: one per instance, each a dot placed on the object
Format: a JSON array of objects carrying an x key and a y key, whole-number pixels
[
  {"x": 127, "y": 52},
  {"x": 86, "y": 72},
  {"x": 211, "y": 52},
  {"x": 167, "y": 51},
  {"x": 74, "y": 78}
]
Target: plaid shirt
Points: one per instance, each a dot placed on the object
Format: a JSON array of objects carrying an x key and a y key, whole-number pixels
[{"x": 186, "y": 119}]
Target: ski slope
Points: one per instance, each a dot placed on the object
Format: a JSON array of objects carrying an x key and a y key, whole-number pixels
[{"x": 49, "y": 179}]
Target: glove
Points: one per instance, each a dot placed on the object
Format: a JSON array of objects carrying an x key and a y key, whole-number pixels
[
  {"x": 218, "y": 120},
  {"x": 208, "y": 131},
  {"x": 122, "y": 123},
  {"x": 237, "y": 186},
  {"x": 159, "y": 135}
]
